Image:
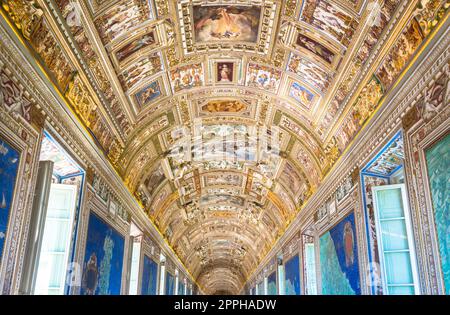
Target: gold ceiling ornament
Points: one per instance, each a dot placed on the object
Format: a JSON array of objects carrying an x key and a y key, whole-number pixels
[
  {"x": 172, "y": 56},
  {"x": 162, "y": 7},
  {"x": 368, "y": 101},
  {"x": 290, "y": 7},
  {"x": 278, "y": 203},
  {"x": 332, "y": 154},
  {"x": 411, "y": 118},
  {"x": 430, "y": 12},
  {"x": 279, "y": 57},
  {"x": 276, "y": 60},
  {"x": 81, "y": 100},
  {"x": 38, "y": 117},
  {"x": 115, "y": 151},
  {"x": 184, "y": 112},
  {"x": 311, "y": 190},
  {"x": 97, "y": 69},
  {"x": 26, "y": 15},
  {"x": 185, "y": 60}
]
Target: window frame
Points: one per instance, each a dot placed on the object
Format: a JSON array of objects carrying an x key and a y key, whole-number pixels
[
  {"x": 70, "y": 226},
  {"x": 409, "y": 232}
]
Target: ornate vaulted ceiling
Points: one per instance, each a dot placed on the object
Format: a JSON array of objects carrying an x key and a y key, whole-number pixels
[{"x": 223, "y": 117}]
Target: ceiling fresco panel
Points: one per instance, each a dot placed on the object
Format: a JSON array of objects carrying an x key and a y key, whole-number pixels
[
  {"x": 125, "y": 16},
  {"x": 329, "y": 18},
  {"x": 226, "y": 23}
]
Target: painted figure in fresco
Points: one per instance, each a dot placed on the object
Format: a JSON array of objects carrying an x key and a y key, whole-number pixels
[
  {"x": 399, "y": 55},
  {"x": 315, "y": 48},
  {"x": 197, "y": 78},
  {"x": 90, "y": 277},
  {"x": 176, "y": 81},
  {"x": 187, "y": 77},
  {"x": 310, "y": 72},
  {"x": 223, "y": 107},
  {"x": 252, "y": 79},
  {"x": 348, "y": 244},
  {"x": 140, "y": 70},
  {"x": 73, "y": 18},
  {"x": 155, "y": 179},
  {"x": 125, "y": 16},
  {"x": 226, "y": 23},
  {"x": 134, "y": 46},
  {"x": 148, "y": 94},
  {"x": 225, "y": 73},
  {"x": 301, "y": 94},
  {"x": 330, "y": 19},
  {"x": 292, "y": 178},
  {"x": 263, "y": 78},
  {"x": 333, "y": 20}
]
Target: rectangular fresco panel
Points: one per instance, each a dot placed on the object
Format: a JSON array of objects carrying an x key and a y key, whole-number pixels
[
  {"x": 149, "y": 277},
  {"x": 223, "y": 179},
  {"x": 103, "y": 261},
  {"x": 222, "y": 198},
  {"x": 438, "y": 164},
  {"x": 315, "y": 47},
  {"x": 140, "y": 70},
  {"x": 226, "y": 23},
  {"x": 225, "y": 72},
  {"x": 118, "y": 20},
  {"x": 330, "y": 19},
  {"x": 131, "y": 48},
  {"x": 148, "y": 94},
  {"x": 339, "y": 259},
  {"x": 224, "y": 106},
  {"x": 9, "y": 164},
  {"x": 187, "y": 77},
  {"x": 170, "y": 284},
  {"x": 263, "y": 77},
  {"x": 301, "y": 94},
  {"x": 310, "y": 72},
  {"x": 292, "y": 276},
  {"x": 272, "y": 284}
]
